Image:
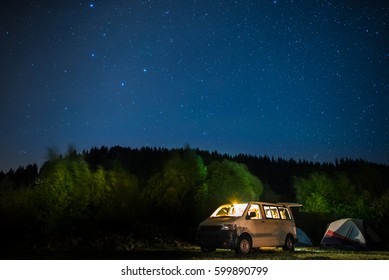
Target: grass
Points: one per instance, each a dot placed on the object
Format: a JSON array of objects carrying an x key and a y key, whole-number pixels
[
  {"x": 306, "y": 253},
  {"x": 194, "y": 253},
  {"x": 113, "y": 246}
]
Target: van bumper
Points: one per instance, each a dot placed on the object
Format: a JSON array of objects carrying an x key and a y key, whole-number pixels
[{"x": 226, "y": 239}]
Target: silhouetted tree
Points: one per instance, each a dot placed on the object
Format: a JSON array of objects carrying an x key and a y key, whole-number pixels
[
  {"x": 181, "y": 180},
  {"x": 335, "y": 195},
  {"x": 230, "y": 181},
  {"x": 63, "y": 195}
]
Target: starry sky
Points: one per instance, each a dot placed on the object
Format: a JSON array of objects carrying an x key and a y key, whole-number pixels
[{"x": 284, "y": 78}]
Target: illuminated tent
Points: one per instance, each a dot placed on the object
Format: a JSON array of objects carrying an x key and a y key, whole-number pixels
[
  {"x": 302, "y": 239},
  {"x": 351, "y": 234}
]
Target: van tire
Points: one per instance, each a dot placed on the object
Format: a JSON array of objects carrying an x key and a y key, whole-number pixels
[
  {"x": 289, "y": 243},
  {"x": 244, "y": 245}
]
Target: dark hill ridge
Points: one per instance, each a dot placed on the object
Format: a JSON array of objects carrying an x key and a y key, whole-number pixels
[{"x": 276, "y": 173}]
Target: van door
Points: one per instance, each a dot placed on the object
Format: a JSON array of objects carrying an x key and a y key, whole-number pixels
[
  {"x": 257, "y": 226},
  {"x": 279, "y": 223},
  {"x": 274, "y": 225}
]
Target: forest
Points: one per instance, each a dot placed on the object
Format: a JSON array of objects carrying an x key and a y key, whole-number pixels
[{"x": 152, "y": 193}]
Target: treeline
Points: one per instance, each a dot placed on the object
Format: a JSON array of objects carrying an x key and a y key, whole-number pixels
[{"x": 123, "y": 188}]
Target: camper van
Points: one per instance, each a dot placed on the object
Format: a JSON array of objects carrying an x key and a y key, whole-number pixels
[{"x": 243, "y": 226}]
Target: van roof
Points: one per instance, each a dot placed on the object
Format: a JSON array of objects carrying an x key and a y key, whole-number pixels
[
  {"x": 291, "y": 204},
  {"x": 286, "y": 204}
]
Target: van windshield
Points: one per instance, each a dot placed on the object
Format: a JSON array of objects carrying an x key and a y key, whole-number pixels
[{"x": 233, "y": 210}]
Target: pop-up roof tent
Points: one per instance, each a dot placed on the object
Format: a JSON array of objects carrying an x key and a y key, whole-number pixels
[
  {"x": 351, "y": 234},
  {"x": 302, "y": 239}
]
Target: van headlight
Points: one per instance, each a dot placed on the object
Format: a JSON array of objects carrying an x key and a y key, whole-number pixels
[{"x": 228, "y": 227}]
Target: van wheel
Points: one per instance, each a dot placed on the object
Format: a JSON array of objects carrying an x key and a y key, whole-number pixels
[
  {"x": 289, "y": 243},
  {"x": 244, "y": 245},
  {"x": 207, "y": 249}
]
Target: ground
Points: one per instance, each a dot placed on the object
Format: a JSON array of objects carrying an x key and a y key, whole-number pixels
[{"x": 194, "y": 253}]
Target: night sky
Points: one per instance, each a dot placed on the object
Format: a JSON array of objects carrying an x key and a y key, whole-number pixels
[{"x": 292, "y": 79}]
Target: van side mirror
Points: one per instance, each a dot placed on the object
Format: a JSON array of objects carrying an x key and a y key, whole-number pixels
[{"x": 250, "y": 215}]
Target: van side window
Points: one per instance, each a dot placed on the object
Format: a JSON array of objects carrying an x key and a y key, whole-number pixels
[
  {"x": 284, "y": 213},
  {"x": 271, "y": 212},
  {"x": 254, "y": 208}
]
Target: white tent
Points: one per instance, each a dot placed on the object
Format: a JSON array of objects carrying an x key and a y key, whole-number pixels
[{"x": 349, "y": 234}]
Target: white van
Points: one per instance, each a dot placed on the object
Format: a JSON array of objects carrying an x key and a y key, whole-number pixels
[{"x": 244, "y": 226}]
